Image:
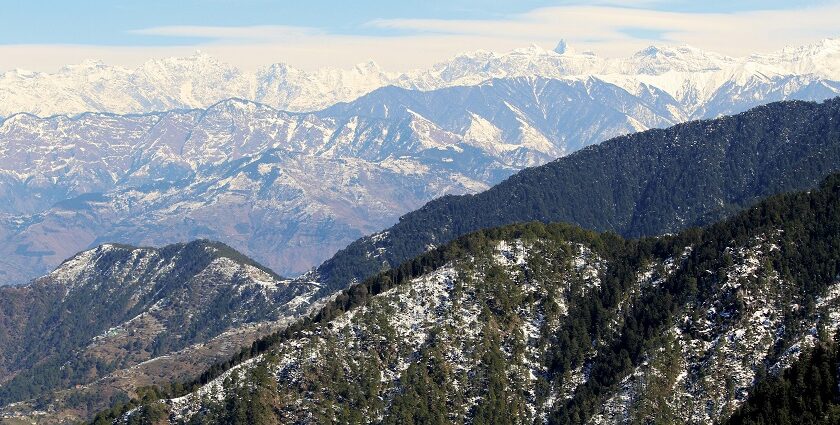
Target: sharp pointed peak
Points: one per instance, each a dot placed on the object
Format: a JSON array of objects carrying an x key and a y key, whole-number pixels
[{"x": 563, "y": 48}]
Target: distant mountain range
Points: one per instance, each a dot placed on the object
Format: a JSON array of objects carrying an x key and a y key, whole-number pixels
[
  {"x": 290, "y": 189},
  {"x": 124, "y": 317},
  {"x": 705, "y": 84}
]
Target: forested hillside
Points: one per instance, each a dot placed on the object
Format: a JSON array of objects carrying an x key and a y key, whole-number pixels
[
  {"x": 115, "y": 317},
  {"x": 648, "y": 183},
  {"x": 807, "y": 393},
  {"x": 551, "y": 323}
]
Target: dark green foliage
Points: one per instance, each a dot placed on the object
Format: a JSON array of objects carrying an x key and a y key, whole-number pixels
[
  {"x": 248, "y": 400},
  {"x": 806, "y": 393},
  {"x": 150, "y": 412},
  {"x": 500, "y": 403},
  {"x": 808, "y": 259},
  {"x": 425, "y": 394},
  {"x": 359, "y": 294},
  {"x": 647, "y": 183}
]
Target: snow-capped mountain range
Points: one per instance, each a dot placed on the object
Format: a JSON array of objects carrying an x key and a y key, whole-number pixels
[
  {"x": 690, "y": 75},
  {"x": 289, "y": 189},
  {"x": 292, "y": 188}
]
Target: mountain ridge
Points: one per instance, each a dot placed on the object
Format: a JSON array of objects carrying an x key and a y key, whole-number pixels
[
  {"x": 119, "y": 317},
  {"x": 147, "y": 167},
  {"x": 794, "y": 143},
  {"x": 305, "y": 184},
  {"x": 551, "y": 323},
  {"x": 773, "y": 141},
  {"x": 167, "y": 84}
]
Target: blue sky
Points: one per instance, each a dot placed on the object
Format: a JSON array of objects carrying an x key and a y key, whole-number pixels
[
  {"x": 110, "y": 22},
  {"x": 40, "y": 34}
]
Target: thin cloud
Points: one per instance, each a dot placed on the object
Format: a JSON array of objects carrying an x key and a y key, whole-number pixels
[
  {"x": 263, "y": 33},
  {"x": 417, "y": 43},
  {"x": 604, "y": 29}
]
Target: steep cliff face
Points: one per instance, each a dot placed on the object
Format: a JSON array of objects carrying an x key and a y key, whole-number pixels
[{"x": 554, "y": 324}]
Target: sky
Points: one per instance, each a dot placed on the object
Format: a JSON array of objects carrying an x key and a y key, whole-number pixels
[{"x": 398, "y": 35}]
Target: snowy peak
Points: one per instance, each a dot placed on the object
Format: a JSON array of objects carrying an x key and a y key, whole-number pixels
[
  {"x": 88, "y": 66},
  {"x": 532, "y": 50},
  {"x": 200, "y": 80},
  {"x": 120, "y": 262},
  {"x": 820, "y": 59},
  {"x": 141, "y": 310},
  {"x": 826, "y": 47},
  {"x": 563, "y": 48},
  {"x": 197, "y": 62},
  {"x": 367, "y": 68},
  {"x": 661, "y": 59}
]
